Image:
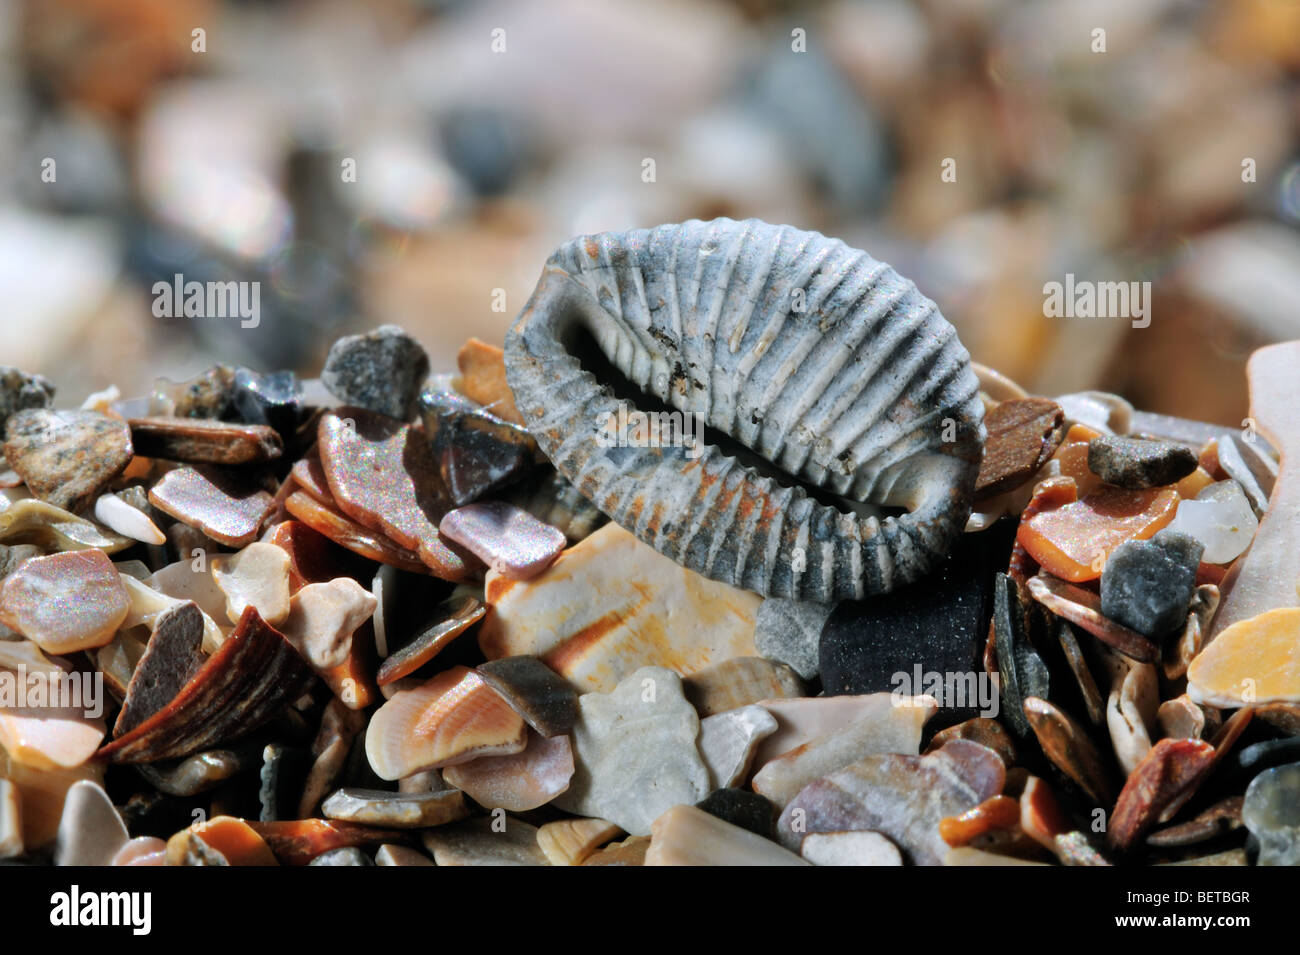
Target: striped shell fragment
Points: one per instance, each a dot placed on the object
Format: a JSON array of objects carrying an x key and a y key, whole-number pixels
[{"x": 844, "y": 425}]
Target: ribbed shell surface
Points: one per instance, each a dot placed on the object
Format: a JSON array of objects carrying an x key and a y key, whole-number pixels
[{"x": 821, "y": 360}]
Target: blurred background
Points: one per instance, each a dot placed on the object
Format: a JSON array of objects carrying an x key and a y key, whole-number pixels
[{"x": 213, "y": 139}]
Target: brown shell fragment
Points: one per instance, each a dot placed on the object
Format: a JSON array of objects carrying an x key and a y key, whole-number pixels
[
  {"x": 330, "y": 522},
  {"x": 1067, "y": 745},
  {"x": 1224, "y": 816},
  {"x": 450, "y": 619},
  {"x": 251, "y": 677},
  {"x": 200, "y": 441},
  {"x": 170, "y": 660},
  {"x": 1172, "y": 767},
  {"x": 298, "y": 841},
  {"x": 1022, "y": 435},
  {"x": 865, "y": 393}
]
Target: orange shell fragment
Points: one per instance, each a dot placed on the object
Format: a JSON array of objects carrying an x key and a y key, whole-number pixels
[{"x": 1074, "y": 541}]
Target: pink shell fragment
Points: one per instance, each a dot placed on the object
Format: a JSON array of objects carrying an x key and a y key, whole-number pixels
[{"x": 507, "y": 538}]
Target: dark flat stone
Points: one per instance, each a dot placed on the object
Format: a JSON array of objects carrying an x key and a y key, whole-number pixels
[
  {"x": 273, "y": 399},
  {"x": 1137, "y": 463},
  {"x": 1023, "y": 672},
  {"x": 476, "y": 451},
  {"x": 939, "y": 623},
  {"x": 742, "y": 808},
  {"x": 541, "y": 696}
]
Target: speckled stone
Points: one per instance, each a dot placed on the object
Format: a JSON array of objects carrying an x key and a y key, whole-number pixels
[
  {"x": 477, "y": 452},
  {"x": 197, "y": 441},
  {"x": 635, "y": 752},
  {"x": 939, "y": 623},
  {"x": 381, "y": 370},
  {"x": 1137, "y": 463},
  {"x": 228, "y": 508},
  {"x": 1147, "y": 585},
  {"x": 383, "y": 475},
  {"x": 67, "y": 458},
  {"x": 789, "y": 632},
  {"x": 20, "y": 391},
  {"x": 506, "y": 538},
  {"x": 65, "y": 602},
  {"x": 206, "y": 395}
]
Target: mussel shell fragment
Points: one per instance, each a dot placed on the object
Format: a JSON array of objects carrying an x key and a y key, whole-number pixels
[
  {"x": 820, "y": 364},
  {"x": 254, "y": 674}
]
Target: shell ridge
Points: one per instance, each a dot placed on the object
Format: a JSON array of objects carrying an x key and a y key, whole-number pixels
[{"x": 700, "y": 315}]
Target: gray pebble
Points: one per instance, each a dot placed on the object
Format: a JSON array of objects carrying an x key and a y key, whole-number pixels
[
  {"x": 789, "y": 632},
  {"x": 1147, "y": 585},
  {"x": 19, "y": 391},
  {"x": 381, "y": 371},
  {"x": 1137, "y": 463}
]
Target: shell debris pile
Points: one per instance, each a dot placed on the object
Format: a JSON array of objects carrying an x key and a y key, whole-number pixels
[{"x": 729, "y": 556}]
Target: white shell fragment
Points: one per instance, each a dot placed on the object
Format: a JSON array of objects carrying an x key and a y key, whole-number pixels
[
  {"x": 257, "y": 576},
  {"x": 610, "y": 605},
  {"x": 885, "y": 729},
  {"x": 323, "y": 617},
  {"x": 727, "y": 742},
  {"x": 1221, "y": 518},
  {"x": 117, "y": 515},
  {"x": 635, "y": 752},
  {"x": 811, "y": 358},
  {"x": 685, "y": 835}
]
